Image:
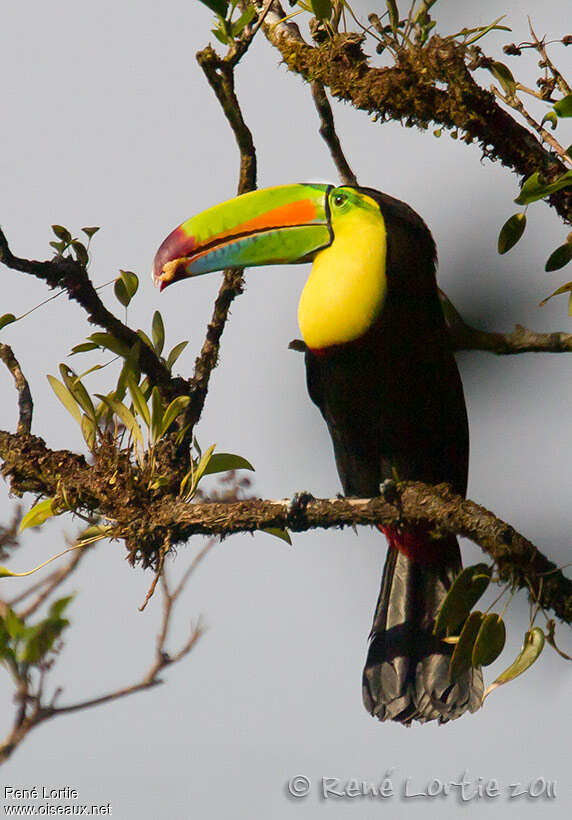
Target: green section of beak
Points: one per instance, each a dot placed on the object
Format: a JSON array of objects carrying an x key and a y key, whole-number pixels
[{"x": 279, "y": 225}]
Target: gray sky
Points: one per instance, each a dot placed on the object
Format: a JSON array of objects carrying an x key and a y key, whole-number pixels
[{"x": 107, "y": 121}]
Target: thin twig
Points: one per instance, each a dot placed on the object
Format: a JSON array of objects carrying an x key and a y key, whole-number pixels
[{"x": 328, "y": 133}]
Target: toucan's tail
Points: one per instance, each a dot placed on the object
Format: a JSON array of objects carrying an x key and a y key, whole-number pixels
[{"x": 406, "y": 675}]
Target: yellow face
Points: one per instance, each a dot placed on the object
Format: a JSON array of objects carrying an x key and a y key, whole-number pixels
[{"x": 346, "y": 288}]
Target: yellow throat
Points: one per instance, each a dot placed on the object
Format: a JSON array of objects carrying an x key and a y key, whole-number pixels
[{"x": 346, "y": 288}]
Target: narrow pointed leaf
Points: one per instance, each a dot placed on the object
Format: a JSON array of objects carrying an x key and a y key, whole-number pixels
[
  {"x": 534, "y": 188},
  {"x": 461, "y": 659},
  {"x": 175, "y": 353},
  {"x": 511, "y": 232},
  {"x": 126, "y": 416},
  {"x": 84, "y": 347},
  {"x": 158, "y": 332},
  {"x": 109, "y": 342},
  {"x": 156, "y": 414},
  {"x": 78, "y": 391},
  {"x": 490, "y": 641},
  {"x": 466, "y": 590},
  {"x": 199, "y": 470},
  {"x": 173, "y": 410},
  {"x": 562, "y": 289},
  {"x": 139, "y": 402},
  {"x": 58, "y": 607},
  {"x": 89, "y": 431},
  {"x": 222, "y": 462},
  {"x": 65, "y": 397},
  {"x": 393, "y": 14},
  {"x": 531, "y": 649},
  {"x": 143, "y": 336}
]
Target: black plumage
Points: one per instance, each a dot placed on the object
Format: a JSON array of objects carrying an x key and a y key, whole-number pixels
[{"x": 393, "y": 402}]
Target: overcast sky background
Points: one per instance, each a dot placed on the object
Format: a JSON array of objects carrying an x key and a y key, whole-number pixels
[{"x": 107, "y": 120}]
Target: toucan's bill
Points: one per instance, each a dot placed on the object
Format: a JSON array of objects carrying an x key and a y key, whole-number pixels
[{"x": 281, "y": 225}]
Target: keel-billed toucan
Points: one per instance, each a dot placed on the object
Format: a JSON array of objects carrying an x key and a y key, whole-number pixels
[{"x": 380, "y": 368}]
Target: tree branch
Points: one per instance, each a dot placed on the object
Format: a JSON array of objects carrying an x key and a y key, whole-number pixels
[
  {"x": 328, "y": 133},
  {"x": 25, "y": 403},
  {"x": 411, "y": 91},
  {"x": 65, "y": 272}
]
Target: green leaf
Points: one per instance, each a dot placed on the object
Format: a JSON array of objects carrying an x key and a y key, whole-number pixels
[
  {"x": 59, "y": 246},
  {"x": 535, "y": 188},
  {"x": 7, "y": 319},
  {"x": 89, "y": 431},
  {"x": 175, "y": 353},
  {"x": 78, "y": 391},
  {"x": 158, "y": 332},
  {"x": 139, "y": 402},
  {"x": 531, "y": 649},
  {"x": 62, "y": 233},
  {"x": 393, "y": 14},
  {"x": 173, "y": 410},
  {"x": 201, "y": 467},
  {"x": 126, "y": 416},
  {"x": 511, "y": 232},
  {"x": 57, "y": 608},
  {"x": 94, "y": 533},
  {"x": 567, "y": 288},
  {"x": 65, "y": 397},
  {"x": 89, "y": 232},
  {"x": 221, "y": 35},
  {"x": 15, "y": 626},
  {"x": 563, "y": 107},
  {"x": 322, "y": 9},
  {"x": 143, "y": 336},
  {"x": 244, "y": 19},
  {"x": 551, "y": 118},
  {"x": 38, "y": 514},
  {"x": 221, "y": 462},
  {"x": 84, "y": 347},
  {"x": 131, "y": 281},
  {"x": 80, "y": 252},
  {"x": 490, "y": 640},
  {"x": 466, "y": 590},
  {"x": 560, "y": 257},
  {"x": 219, "y": 7},
  {"x": 278, "y": 532},
  {"x": 109, "y": 342},
  {"x": 503, "y": 74},
  {"x": 41, "y": 638},
  {"x": 120, "y": 292},
  {"x": 125, "y": 287},
  {"x": 461, "y": 658},
  {"x": 156, "y": 414}
]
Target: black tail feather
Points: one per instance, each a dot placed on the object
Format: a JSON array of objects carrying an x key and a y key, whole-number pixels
[{"x": 406, "y": 675}]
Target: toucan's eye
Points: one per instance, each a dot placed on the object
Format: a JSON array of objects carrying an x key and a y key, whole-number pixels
[{"x": 339, "y": 199}]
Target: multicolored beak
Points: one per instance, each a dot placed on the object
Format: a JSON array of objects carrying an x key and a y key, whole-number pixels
[{"x": 272, "y": 226}]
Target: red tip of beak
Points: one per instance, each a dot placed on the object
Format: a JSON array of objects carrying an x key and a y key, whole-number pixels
[{"x": 176, "y": 246}]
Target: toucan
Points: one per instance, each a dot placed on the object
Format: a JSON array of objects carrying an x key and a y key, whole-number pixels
[{"x": 380, "y": 368}]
